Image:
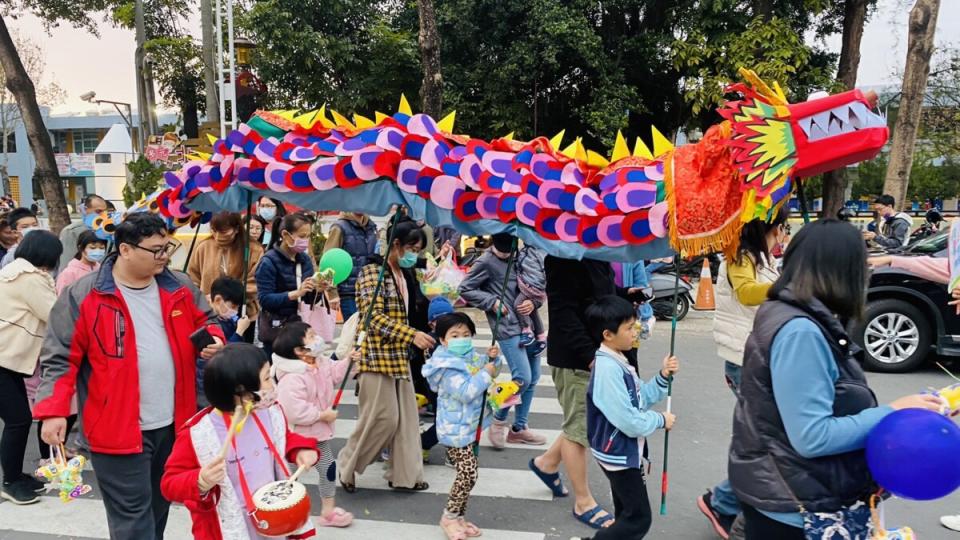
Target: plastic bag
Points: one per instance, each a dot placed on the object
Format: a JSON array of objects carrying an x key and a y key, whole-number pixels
[{"x": 444, "y": 280}]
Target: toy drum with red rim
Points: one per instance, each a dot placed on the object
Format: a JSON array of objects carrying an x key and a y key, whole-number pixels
[{"x": 282, "y": 507}]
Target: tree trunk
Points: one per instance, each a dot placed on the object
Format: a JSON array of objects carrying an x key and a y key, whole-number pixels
[
  {"x": 188, "y": 107},
  {"x": 20, "y": 85},
  {"x": 209, "y": 45},
  {"x": 431, "y": 91},
  {"x": 854, "y": 18},
  {"x": 923, "y": 25}
]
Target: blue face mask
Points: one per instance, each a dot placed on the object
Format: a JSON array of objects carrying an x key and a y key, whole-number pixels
[
  {"x": 461, "y": 346},
  {"x": 408, "y": 260},
  {"x": 96, "y": 255},
  {"x": 268, "y": 213}
]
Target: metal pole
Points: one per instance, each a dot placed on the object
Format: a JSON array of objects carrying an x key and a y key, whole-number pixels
[
  {"x": 218, "y": 16},
  {"x": 673, "y": 340},
  {"x": 246, "y": 255}
]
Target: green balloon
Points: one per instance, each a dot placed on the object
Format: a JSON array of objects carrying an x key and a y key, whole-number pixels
[{"x": 340, "y": 262}]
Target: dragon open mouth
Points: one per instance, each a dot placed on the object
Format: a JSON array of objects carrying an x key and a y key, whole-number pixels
[{"x": 846, "y": 118}]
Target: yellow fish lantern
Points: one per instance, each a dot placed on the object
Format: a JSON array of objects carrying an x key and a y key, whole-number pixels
[
  {"x": 503, "y": 394},
  {"x": 950, "y": 396}
]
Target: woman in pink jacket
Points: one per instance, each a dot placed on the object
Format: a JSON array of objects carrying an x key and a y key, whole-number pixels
[
  {"x": 90, "y": 252},
  {"x": 306, "y": 386}
]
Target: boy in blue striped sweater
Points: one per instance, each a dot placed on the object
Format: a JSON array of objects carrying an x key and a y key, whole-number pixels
[{"x": 618, "y": 415}]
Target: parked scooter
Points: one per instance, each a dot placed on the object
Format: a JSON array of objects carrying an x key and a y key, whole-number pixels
[{"x": 662, "y": 282}]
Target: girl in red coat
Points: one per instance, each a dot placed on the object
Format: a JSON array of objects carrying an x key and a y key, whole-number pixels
[{"x": 208, "y": 485}]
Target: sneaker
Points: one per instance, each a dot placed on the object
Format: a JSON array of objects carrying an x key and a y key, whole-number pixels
[
  {"x": 536, "y": 347},
  {"x": 385, "y": 454},
  {"x": 447, "y": 462},
  {"x": 19, "y": 493},
  {"x": 33, "y": 483},
  {"x": 526, "y": 338},
  {"x": 498, "y": 433},
  {"x": 526, "y": 436},
  {"x": 721, "y": 523},
  {"x": 951, "y": 522}
]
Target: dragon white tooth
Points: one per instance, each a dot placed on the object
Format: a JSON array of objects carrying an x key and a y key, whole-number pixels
[
  {"x": 816, "y": 133},
  {"x": 822, "y": 120},
  {"x": 805, "y": 125},
  {"x": 836, "y": 127}
]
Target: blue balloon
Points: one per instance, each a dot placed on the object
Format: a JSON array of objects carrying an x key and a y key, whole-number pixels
[{"x": 915, "y": 454}]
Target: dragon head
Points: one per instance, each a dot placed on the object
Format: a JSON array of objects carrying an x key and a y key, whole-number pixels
[{"x": 772, "y": 141}]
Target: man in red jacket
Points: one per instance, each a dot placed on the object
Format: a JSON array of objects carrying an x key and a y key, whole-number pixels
[{"x": 121, "y": 339}]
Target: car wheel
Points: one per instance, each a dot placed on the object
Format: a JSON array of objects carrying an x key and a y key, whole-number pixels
[{"x": 895, "y": 336}]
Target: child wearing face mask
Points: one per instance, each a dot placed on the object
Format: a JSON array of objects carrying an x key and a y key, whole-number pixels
[
  {"x": 307, "y": 382},
  {"x": 90, "y": 253},
  {"x": 226, "y": 295},
  {"x": 216, "y": 490},
  {"x": 460, "y": 376}
]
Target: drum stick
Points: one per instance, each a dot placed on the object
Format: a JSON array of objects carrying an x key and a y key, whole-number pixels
[
  {"x": 299, "y": 471},
  {"x": 234, "y": 427}
]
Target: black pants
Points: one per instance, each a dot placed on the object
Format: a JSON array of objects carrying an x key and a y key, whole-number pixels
[
  {"x": 15, "y": 413},
  {"x": 44, "y": 447},
  {"x": 130, "y": 485},
  {"x": 631, "y": 506},
  {"x": 759, "y": 527}
]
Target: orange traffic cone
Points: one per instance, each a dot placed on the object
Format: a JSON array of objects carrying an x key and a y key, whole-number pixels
[{"x": 705, "y": 300}]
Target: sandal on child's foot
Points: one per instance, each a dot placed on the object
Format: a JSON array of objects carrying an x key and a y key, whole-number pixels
[
  {"x": 469, "y": 529},
  {"x": 337, "y": 518},
  {"x": 453, "y": 529}
]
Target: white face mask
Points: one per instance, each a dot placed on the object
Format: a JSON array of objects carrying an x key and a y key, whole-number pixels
[{"x": 316, "y": 346}]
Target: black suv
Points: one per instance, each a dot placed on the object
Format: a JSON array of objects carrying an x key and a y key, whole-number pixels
[{"x": 907, "y": 314}]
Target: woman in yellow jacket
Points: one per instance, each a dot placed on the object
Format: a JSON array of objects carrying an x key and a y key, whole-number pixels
[
  {"x": 28, "y": 292},
  {"x": 742, "y": 286}
]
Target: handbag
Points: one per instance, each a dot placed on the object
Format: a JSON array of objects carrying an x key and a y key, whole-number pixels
[
  {"x": 854, "y": 522},
  {"x": 317, "y": 313},
  {"x": 270, "y": 324}
]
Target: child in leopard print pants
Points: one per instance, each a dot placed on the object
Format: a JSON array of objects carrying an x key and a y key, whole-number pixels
[{"x": 460, "y": 376}]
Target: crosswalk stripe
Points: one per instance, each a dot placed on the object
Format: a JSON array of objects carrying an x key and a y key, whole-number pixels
[
  {"x": 346, "y": 427},
  {"x": 86, "y": 518},
  {"x": 490, "y": 482},
  {"x": 545, "y": 380},
  {"x": 541, "y": 405}
]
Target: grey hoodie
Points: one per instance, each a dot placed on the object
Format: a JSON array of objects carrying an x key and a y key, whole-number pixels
[
  {"x": 482, "y": 287},
  {"x": 895, "y": 231}
]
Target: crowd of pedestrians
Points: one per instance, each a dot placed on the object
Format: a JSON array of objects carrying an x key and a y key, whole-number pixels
[{"x": 200, "y": 386}]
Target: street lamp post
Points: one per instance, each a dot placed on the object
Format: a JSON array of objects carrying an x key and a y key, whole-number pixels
[{"x": 91, "y": 97}]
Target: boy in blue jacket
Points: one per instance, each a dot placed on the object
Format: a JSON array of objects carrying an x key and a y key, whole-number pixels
[{"x": 618, "y": 415}]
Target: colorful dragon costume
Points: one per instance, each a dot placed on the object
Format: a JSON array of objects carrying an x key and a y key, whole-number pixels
[{"x": 570, "y": 201}]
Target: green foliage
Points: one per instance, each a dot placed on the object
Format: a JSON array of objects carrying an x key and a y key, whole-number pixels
[
  {"x": 177, "y": 69},
  {"x": 931, "y": 176},
  {"x": 772, "y": 48},
  {"x": 535, "y": 67},
  {"x": 145, "y": 178},
  {"x": 351, "y": 55}
]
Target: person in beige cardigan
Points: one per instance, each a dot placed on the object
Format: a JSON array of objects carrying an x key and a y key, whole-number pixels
[
  {"x": 222, "y": 255},
  {"x": 28, "y": 292}
]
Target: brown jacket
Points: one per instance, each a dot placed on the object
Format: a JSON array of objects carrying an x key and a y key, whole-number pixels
[{"x": 210, "y": 261}]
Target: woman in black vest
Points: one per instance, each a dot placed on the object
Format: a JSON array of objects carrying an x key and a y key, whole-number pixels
[{"x": 803, "y": 449}]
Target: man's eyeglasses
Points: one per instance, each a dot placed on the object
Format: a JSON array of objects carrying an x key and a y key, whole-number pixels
[{"x": 162, "y": 252}]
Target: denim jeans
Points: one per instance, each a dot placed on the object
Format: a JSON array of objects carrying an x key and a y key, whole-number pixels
[
  {"x": 348, "y": 306},
  {"x": 525, "y": 368},
  {"x": 724, "y": 499}
]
